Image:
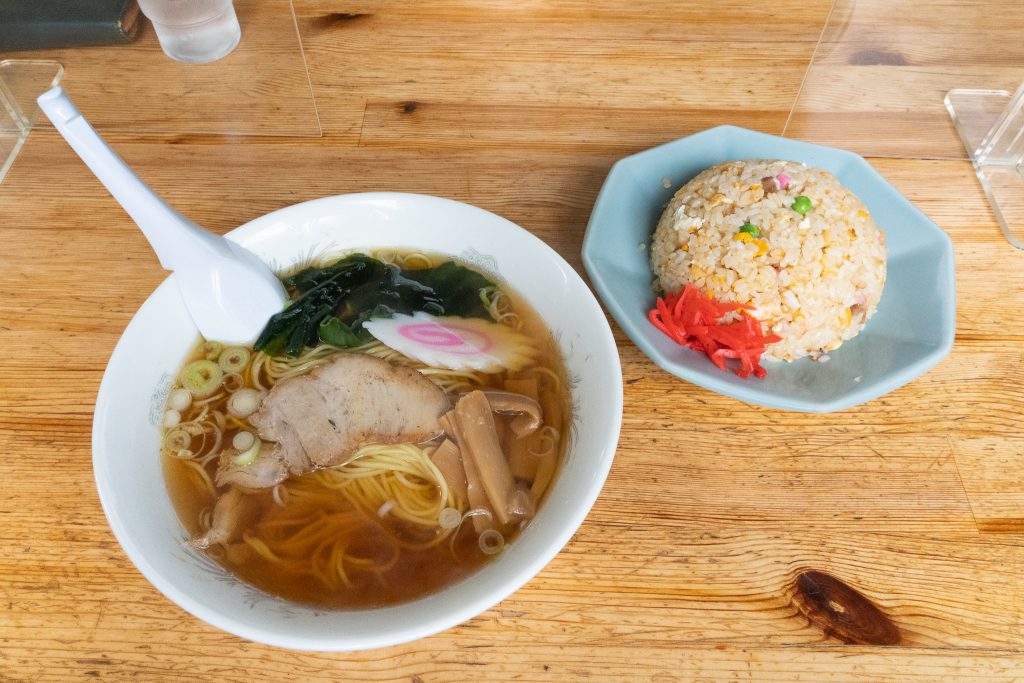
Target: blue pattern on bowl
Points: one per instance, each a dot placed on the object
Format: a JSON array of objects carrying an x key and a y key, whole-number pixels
[{"x": 912, "y": 330}]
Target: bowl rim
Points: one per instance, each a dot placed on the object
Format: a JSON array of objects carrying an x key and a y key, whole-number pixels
[
  {"x": 752, "y": 394},
  {"x": 401, "y": 633}
]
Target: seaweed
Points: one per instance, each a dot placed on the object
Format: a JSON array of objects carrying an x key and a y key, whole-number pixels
[{"x": 330, "y": 304}]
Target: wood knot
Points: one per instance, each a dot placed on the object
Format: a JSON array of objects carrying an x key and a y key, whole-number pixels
[
  {"x": 408, "y": 107},
  {"x": 878, "y": 58},
  {"x": 328, "y": 20},
  {"x": 841, "y": 611}
]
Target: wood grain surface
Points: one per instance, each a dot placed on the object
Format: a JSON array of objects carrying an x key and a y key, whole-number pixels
[
  {"x": 689, "y": 566},
  {"x": 261, "y": 88},
  {"x": 883, "y": 67}
]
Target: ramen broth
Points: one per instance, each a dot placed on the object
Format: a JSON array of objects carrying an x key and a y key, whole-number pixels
[{"x": 374, "y": 558}]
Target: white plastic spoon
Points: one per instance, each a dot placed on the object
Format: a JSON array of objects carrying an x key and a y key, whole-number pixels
[{"x": 228, "y": 290}]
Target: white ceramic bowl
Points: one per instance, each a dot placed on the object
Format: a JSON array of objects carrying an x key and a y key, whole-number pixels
[{"x": 131, "y": 399}]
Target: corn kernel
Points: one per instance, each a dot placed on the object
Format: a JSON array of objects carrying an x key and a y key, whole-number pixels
[{"x": 762, "y": 246}]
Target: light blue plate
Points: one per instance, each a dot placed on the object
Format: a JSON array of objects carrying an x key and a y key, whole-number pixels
[{"x": 912, "y": 330}]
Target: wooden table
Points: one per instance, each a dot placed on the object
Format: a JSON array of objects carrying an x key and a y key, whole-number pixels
[{"x": 686, "y": 567}]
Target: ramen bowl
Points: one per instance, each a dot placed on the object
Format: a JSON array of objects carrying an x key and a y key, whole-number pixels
[{"x": 132, "y": 397}]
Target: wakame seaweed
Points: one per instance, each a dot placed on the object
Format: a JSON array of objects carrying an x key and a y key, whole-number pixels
[{"x": 330, "y": 304}]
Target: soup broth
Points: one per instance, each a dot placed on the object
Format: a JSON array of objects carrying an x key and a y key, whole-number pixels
[{"x": 386, "y": 527}]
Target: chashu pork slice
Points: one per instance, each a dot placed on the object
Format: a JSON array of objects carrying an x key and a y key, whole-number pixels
[{"x": 321, "y": 419}]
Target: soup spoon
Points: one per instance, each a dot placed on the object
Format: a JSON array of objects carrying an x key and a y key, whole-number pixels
[{"x": 229, "y": 292}]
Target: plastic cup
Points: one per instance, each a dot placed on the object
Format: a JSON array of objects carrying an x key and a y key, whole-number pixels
[{"x": 194, "y": 31}]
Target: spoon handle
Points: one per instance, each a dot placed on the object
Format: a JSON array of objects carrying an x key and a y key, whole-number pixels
[{"x": 175, "y": 239}]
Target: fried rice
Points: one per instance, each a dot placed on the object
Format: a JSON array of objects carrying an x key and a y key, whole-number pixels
[{"x": 813, "y": 276}]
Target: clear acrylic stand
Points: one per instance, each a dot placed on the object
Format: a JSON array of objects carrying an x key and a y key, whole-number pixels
[
  {"x": 991, "y": 126},
  {"x": 21, "y": 82}
]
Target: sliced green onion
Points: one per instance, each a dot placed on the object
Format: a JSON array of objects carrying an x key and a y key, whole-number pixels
[
  {"x": 244, "y": 402},
  {"x": 171, "y": 418},
  {"x": 176, "y": 439},
  {"x": 180, "y": 399},
  {"x": 449, "y": 519},
  {"x": 491, "y": 542},
  {"x": 201, "y": 378},
  {"x": 211, "y": 350},
  {"x": 248, "y": 456},
  {"x": 234, "y": 359},
  {"x": 192, "y": 427},
  {"x": 233, "y": 381},
  {"x": 243, "y": 440}
]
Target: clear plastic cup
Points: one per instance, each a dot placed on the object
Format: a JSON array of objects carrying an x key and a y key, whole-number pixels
[{"x": 194, "y": 31}]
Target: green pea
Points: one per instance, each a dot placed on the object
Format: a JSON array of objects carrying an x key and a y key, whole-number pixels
[
  {"x": 801, "y": 205},
  {"x": 751, "y": 229}
]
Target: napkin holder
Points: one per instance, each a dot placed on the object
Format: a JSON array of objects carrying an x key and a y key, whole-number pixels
[
  {"x": 21, "y": 81},
  {"x": 991, "y": 126}
]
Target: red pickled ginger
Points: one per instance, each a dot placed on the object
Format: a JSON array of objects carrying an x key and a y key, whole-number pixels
[{"x": 692, "y": 319}]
